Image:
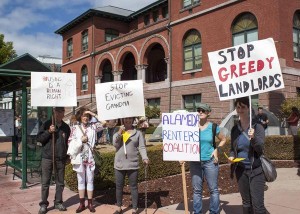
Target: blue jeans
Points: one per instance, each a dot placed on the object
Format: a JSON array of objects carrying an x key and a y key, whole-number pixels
[{"x": 211, "y": 171}]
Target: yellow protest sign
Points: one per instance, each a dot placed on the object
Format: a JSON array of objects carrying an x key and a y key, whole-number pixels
[
  {"x": 235, "y": 159},
  {"x": 126, "y": 136}
]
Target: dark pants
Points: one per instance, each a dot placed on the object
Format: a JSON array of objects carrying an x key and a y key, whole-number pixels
[
  {"x": 47, "y": 166},
  {"x": 120, "y": 178},
  {"x": 251, "y": 187}
]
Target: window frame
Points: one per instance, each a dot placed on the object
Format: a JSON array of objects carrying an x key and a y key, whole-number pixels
[
  {"x": 147, "y": 19},
  {"x": 84, "y": 78},
  {"x": 296, "y": 44},
  {"x": 112, "y": 33},
  {"x": 193, "y": 48},
  {"x": 165, "y": 12},
  {"x": 191, "y": 4},
  {"x": 85, "y": 40},
  {"x": 155, "y": 15},
  {"x": 195, "y": 106},
  {"x": 70, "y": 47}
]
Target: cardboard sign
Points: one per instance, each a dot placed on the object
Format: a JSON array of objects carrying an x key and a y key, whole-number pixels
[
  {"x": 180, "y": 133},
  {"x": 53, "y": 89},
  {"x": 247, "y": 69},
  {"x": 120, "y": 99}
]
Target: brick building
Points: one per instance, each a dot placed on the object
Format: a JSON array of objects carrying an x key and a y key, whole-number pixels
[{"x": 166, "y": 44}]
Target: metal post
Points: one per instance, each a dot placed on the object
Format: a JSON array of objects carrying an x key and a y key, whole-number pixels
[
  {"x": 14, "y": 139},
  {"x": 24, "y": 134}
]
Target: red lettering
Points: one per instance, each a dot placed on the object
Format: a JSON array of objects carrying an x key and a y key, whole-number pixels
[
  {"x": 260, "y": 65},
  {"x": 223, "y": 77},
  {"x": 251, "y": 67},
  {"x": 270, "y": 62},
  {"x": 242, "y": 68}
]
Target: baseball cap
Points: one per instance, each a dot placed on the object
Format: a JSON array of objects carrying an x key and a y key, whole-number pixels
[{"x": 204, "y": 106}]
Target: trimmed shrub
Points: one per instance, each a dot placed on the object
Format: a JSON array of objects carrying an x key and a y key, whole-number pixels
[{"x": 276, "y": 147}]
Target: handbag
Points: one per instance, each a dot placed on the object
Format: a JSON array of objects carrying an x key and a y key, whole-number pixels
[{"x": 268, "y": 168}]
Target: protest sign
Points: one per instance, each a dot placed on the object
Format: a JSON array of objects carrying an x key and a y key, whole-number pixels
[
  {"x": 120, "y": 99},
  {"x": 180, "y": 133},
  {"x": 247, "y": 69},
  {"x": 53, "y": 89}
]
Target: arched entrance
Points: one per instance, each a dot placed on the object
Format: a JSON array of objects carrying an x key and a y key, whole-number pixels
[
  {"x": 107, "y": 75},
  {"x": 128, "y": 67},
  {"x": 157, "y": 67}
]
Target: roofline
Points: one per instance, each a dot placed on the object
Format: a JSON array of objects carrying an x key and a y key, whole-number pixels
[
  {"x": 19, "y": 57},
  {"x": 92, "y": 12},
  {"x": 87, "y": 14},
  {"x": 144, "y": 9}
]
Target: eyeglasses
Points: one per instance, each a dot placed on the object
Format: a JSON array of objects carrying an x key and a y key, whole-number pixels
[{"x": 201, "y": 110}]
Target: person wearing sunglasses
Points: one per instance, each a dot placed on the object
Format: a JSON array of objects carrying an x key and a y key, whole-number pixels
[{"x": 208, "y": 165}]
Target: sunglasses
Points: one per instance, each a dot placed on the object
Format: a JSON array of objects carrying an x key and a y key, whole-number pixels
[{"x": 201, "y": 110}]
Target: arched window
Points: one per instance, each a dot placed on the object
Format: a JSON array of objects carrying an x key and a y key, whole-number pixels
[
  {"x": 244, "y": 29},
  {"x": 84, "y": 40},
  {"x": 296, "y": 35},
  {"x": 69, "y": 47},
  {"x": 192, "y": 51},
  {"x": 69, "y": 71},
  {"x": 84, "y": 78}
]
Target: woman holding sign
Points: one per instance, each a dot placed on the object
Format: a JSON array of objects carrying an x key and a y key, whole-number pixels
[
  {"x": 81, "y": 143},
  {"x": 208, "y": 165},
  {"x": 247, "y": 145},
  {"x": 128, "y": 143}
]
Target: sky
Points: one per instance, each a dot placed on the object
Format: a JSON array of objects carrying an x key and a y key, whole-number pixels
[{"x": 30, "y": 24}]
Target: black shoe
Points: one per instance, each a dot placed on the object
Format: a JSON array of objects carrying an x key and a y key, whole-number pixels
[
  {"x": 266, "y": 187},
  {"x": 60, "y": 207},
  {"x": 43, "y": 209}
]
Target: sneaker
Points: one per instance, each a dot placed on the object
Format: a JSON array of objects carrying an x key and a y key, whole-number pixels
[
  {"x": 60, "y": 207},
  {"x": 43, "y": 210}
]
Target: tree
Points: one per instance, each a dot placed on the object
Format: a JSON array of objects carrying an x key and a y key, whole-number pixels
[
  {"x": 286, "y": 106},
  {"x": 152, "y": 112},
  {"x": 7, "y": 51}
]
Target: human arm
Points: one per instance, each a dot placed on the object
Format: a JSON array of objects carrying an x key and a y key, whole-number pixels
[
  {"x": 142, "y": 148},
  {"x": 222, "y": 138},
  {"x": 117, "y": 137},
  {"x": 45, "y": 132},
  {"x": 258, "y": 138}
]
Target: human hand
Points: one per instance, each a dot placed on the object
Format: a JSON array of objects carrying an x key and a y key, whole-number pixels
[
  {"x": 230, "y": 159},
  {"x": 251, "y": 133},
  {"x": 121, "y": 129},
  {"x": 84, "y": 139},
  {"x": 182, "y": 162},
  {"x": 51, "y": 129},
  {"x": 215, "y": 156},
  {"x": 146, "y": 161}
]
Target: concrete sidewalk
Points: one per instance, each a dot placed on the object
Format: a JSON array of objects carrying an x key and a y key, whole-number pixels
[{"x": 282, "y": 197}]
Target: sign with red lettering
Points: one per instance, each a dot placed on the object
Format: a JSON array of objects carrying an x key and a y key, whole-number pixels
[
  {"x": 120, "y": 99},
  {"x": 180, "y": 133},
  {"x": 247, "y": 69},
  {"x": 53, "y": 89}
]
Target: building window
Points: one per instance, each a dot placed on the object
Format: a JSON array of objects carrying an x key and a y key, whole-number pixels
[
  {"x": 165, "y": 12},
  {"x": 84, "y": 78},
  {"x": 192, "y": 51},
  {"x": 191, "y": 102},
  {"x": 188, "y": 3},
  {"x": 146, "y": 19},
  {"x": 298, "y": 91},
  {"x": 244, "y": 29},
  {"x": 84, "y": 40},
  {"x": 296, "y": 35},
  {"x": 107, "y": 73},
  {"x": 154, "y": 102},
  {"x": 69, "y": 71},
  {"x": 70, "y": 47},
  {"x": 155, "y": 15},
  {"x": 110, "y": 34}
]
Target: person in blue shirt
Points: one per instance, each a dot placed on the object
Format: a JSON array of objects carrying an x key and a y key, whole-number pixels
[
  {"x": 208, "y": 166},
  {"x": 247, "y": 142}
]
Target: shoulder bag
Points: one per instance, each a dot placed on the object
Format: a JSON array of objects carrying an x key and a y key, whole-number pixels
[{"x": 268, "y": 168}]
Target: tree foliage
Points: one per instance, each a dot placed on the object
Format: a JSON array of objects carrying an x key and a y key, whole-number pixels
[
  {"x": 286, "y": 106},
  {"x": 7, "y": 51},
  {"x": 152, "y": 112}
]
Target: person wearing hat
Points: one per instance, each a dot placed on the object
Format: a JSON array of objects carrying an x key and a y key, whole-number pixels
[
  {"x": 208, "y": 165},
  {"x": 61, "y": 132}
]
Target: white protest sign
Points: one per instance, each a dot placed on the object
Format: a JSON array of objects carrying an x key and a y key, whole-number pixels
[
  {"x": 53, "y": 89},
  {"x": 120, "y": 99},
  {"x": 180, "y": 133},
  {"x": 247, "y": 69}
]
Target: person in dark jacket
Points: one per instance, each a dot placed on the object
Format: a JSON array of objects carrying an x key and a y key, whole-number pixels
[
  {"x": 247, "y": 142},
  {"x": 61, "y": 132}
]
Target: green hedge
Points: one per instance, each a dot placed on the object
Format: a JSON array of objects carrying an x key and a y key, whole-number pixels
[{"x": 276, "y": 147}]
